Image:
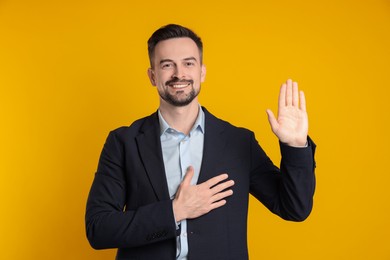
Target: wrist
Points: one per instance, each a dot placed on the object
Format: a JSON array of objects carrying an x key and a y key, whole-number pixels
[
  {"x": 177, "y": 212},
  {"x": 297, "y": 143}
]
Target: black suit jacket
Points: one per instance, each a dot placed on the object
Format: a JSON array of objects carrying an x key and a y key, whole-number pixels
[{"x": 129, "y": 206}]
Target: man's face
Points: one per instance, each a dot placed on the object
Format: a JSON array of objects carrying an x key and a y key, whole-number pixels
[{"x": 177, "y": 71}]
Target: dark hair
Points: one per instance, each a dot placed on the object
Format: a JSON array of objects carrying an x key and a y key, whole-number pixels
[{"x": 172, "y": 31}]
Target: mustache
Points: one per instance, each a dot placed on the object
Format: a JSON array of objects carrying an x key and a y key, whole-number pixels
[{"x": 176, "y": 80}]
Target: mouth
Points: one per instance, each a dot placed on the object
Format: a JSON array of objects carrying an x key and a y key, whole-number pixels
[{"x": 179, "y": 85}]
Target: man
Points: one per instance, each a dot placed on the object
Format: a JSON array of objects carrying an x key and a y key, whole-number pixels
[{"x": 176, "y": 184}]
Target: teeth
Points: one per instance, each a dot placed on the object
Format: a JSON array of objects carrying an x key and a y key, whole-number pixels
[{"x": 180, "y": 86}]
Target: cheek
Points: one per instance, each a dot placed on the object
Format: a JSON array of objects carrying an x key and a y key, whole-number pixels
[
  {"x": 163, "y": 77},
  {"x": 159, "y": 80}
]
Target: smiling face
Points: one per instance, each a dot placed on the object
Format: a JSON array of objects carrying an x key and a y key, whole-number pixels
[{"x": 177, "y": 71}]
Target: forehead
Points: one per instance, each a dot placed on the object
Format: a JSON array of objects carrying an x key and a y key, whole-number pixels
[{"x": 176, "y": 49}]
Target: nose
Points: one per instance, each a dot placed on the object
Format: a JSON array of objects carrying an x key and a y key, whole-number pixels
[{"x": 179, "y": 72}]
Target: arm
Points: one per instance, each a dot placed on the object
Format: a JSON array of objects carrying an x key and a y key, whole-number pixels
[{"x": 288, "y": 193}]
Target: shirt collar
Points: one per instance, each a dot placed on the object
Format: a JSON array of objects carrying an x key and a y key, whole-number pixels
[{"x": 199, "y": 123}]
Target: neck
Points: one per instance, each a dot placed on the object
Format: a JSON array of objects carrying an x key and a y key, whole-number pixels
[{"x": 180, "y": 118}]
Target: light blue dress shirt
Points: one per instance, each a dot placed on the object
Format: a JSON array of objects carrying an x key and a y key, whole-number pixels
[{"x": 179, "y": 152}]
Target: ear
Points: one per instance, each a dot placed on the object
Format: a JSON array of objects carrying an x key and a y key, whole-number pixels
[
  {"x": 203, "y": 73},
  {"x": 151, "y": 76}
]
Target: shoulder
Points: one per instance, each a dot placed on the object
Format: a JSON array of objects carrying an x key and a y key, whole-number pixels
[
  {"x": 137, "y": 127},
  {"x": 215, "y": 122}
]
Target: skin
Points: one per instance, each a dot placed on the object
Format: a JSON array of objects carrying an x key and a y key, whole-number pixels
[
  {"x": 292, "y": 125},
  {"x": 177, "y": 73},
  {"x": 177, "y": 59}
]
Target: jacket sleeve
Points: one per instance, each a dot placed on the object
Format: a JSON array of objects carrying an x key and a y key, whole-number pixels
[
  {"x": 288, "y": 191},
  {"x": 109, "y": 223}
]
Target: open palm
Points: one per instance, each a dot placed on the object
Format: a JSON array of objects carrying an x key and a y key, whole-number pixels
[{"x": 291, "y": 125}]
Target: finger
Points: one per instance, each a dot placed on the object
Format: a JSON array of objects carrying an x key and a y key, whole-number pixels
[
  {"x": 217, "y": 204},
  {"x": 302, "y": 101},
  {"x": 215, "y": 180},
  {"x": 282, "y": 95},
  {"x": 222, "y": 195},
  {"x": 188, "y": 177},
  {"x": 222, "y": 186},
  {"x": 272, "y": 120},
  {"x": 289, "y": 96},
  {"x": 295, "y": 93}
]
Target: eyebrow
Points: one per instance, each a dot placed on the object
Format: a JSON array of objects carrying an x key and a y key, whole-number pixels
[
  {"x": 186, "y": 59},
  {"x": 190, "y": 58}
]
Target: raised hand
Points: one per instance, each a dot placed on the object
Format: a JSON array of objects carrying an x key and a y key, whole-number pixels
[
  {"x": 291, "y": 126},
  {"x": 192, "y": 201}
]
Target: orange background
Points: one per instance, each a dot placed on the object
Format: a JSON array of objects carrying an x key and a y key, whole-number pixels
[{"x": 71, "y": 71}]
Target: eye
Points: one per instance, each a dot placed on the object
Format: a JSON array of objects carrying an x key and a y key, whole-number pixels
[
  {"x": 166, "y": 65},
  {"x": 189, "y": 63}
]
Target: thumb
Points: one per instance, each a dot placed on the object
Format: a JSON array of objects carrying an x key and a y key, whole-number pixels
[
  {"x": 188, "y": 177},
  {"x": 272, "y": 120}
]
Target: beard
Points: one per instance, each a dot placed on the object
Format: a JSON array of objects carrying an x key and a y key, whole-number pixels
[{"x": 175, "y": 99}]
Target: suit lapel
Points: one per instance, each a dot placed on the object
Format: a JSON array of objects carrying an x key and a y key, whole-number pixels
[
  {"x": 149, "y": 147},
  {"x": 214, "y": 144}
]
